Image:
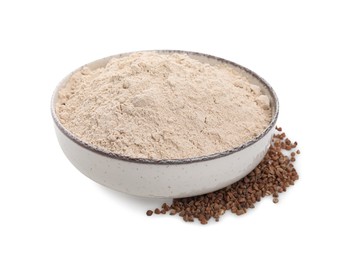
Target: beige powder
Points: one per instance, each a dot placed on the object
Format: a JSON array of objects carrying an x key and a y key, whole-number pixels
[{"x": 162, "y": 106}]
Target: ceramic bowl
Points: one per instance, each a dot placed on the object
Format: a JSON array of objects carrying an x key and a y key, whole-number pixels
[{"x": 168, "y": 178}]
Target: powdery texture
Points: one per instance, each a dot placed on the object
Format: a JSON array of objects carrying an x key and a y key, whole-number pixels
[{"x": 162, "y": 106}]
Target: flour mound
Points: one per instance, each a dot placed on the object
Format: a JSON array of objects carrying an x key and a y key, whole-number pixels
[{"x": 162, "y": 106}]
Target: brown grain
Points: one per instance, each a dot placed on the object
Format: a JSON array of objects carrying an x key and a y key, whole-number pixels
[{"x": 274, "y": 175}]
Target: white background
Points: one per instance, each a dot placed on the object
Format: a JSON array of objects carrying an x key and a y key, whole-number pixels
[{"x": 48, "y": 210}]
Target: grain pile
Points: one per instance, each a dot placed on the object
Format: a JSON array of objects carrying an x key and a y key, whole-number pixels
[{"x": 272, "y": 176}]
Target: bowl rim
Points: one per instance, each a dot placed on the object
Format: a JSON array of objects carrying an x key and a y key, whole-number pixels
[{"x": 103, "y": 152}]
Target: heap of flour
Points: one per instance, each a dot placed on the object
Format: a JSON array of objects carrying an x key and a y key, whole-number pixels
[{"x": 162, "y": 106}]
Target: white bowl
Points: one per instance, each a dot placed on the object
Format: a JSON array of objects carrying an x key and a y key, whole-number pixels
[{"x": 168, "y": 178}]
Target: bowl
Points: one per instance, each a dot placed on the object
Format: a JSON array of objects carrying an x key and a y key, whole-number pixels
[{"x": 168, "y": 178}]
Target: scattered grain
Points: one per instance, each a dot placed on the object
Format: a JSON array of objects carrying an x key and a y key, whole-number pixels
[{"x": 272, "y": 176}]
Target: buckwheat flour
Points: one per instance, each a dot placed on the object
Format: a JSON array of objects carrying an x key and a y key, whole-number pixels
[{"x": 162, "y": 106}]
